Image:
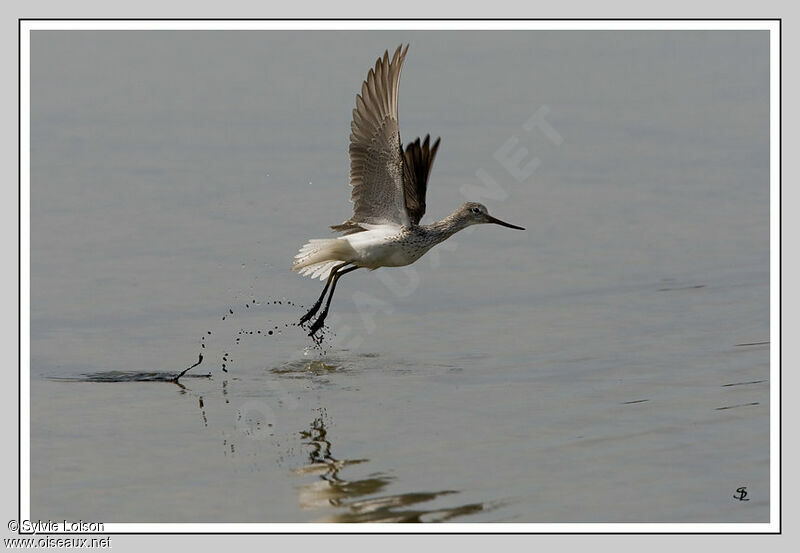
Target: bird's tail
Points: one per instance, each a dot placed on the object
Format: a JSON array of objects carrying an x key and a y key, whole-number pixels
[{"x": 317, "y": 257}]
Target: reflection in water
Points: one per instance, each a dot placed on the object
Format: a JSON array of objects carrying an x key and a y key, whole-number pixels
[
  {"x": 202, "y": 410},
  {"x": 331, "y": 490}
]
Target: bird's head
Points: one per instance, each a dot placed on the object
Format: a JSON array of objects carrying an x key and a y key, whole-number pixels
[{"x": 473, "y": 213}]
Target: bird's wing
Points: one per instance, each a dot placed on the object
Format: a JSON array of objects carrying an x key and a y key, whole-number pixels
[
  {"x": 376, "y": 153},
  {"x": 419, "y": 160}
]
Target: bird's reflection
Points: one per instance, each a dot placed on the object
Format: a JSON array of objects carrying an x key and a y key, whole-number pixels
[
  {"x": 351, "y": 498},
  {"x": 326, "y": 486}
]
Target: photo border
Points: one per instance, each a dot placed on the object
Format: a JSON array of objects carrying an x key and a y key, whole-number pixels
[{"x": 774, "y": 25}]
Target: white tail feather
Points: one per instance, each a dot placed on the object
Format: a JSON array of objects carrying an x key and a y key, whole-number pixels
[{"x": 319, "y": 256}]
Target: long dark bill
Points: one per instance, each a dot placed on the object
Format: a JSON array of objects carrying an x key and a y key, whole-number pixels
[{"x": 503, "y": 223}]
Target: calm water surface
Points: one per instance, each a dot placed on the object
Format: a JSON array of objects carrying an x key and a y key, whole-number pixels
[{"x": 610, "y": 364}]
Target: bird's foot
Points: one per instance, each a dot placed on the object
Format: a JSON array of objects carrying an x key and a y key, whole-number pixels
[
  {"x": 318, "y": 324},
  {"x": 311, "y": 312}
]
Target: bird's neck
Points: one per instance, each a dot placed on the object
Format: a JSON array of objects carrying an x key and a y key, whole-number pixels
[{"x": 447, "y": 227}]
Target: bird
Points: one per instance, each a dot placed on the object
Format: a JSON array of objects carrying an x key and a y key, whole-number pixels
[{"x": 389, "y": 184}]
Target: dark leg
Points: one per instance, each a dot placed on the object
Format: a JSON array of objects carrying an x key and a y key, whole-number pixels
[
  {"x": 315, "y": 307},
  {"x": 321, "y": 319}
]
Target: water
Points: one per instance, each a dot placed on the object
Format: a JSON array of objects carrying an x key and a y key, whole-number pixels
[{"x": 610, "y": 364}]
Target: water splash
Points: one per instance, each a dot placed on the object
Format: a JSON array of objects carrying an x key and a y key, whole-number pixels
[{"x": 276, "y": 324}]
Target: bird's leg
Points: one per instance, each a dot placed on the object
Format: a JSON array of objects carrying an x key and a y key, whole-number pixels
[
  {"x": 315, "y": 307},
  {"x": 321, "y": 319}
]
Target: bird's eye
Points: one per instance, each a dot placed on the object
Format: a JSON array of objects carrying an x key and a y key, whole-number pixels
[{"x": 475, "y": 210}]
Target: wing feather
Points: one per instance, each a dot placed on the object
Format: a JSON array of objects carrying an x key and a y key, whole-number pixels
[
  {"x": 419, "y": 160},
  {"x": 377, "y": 169}
]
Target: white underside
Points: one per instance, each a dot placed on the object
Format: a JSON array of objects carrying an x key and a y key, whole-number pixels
[{"x": 371, "y": 249}]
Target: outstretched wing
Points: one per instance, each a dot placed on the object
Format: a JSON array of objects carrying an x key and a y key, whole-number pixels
[
  {"x": 419, "y": 160},
  {"x": 376, "y": 154}
]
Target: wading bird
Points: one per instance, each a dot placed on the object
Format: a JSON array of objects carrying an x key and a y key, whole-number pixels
[{"x": 388, "y": 195}]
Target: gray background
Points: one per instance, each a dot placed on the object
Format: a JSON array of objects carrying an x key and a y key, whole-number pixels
[{"x": 175, "y": 174}]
